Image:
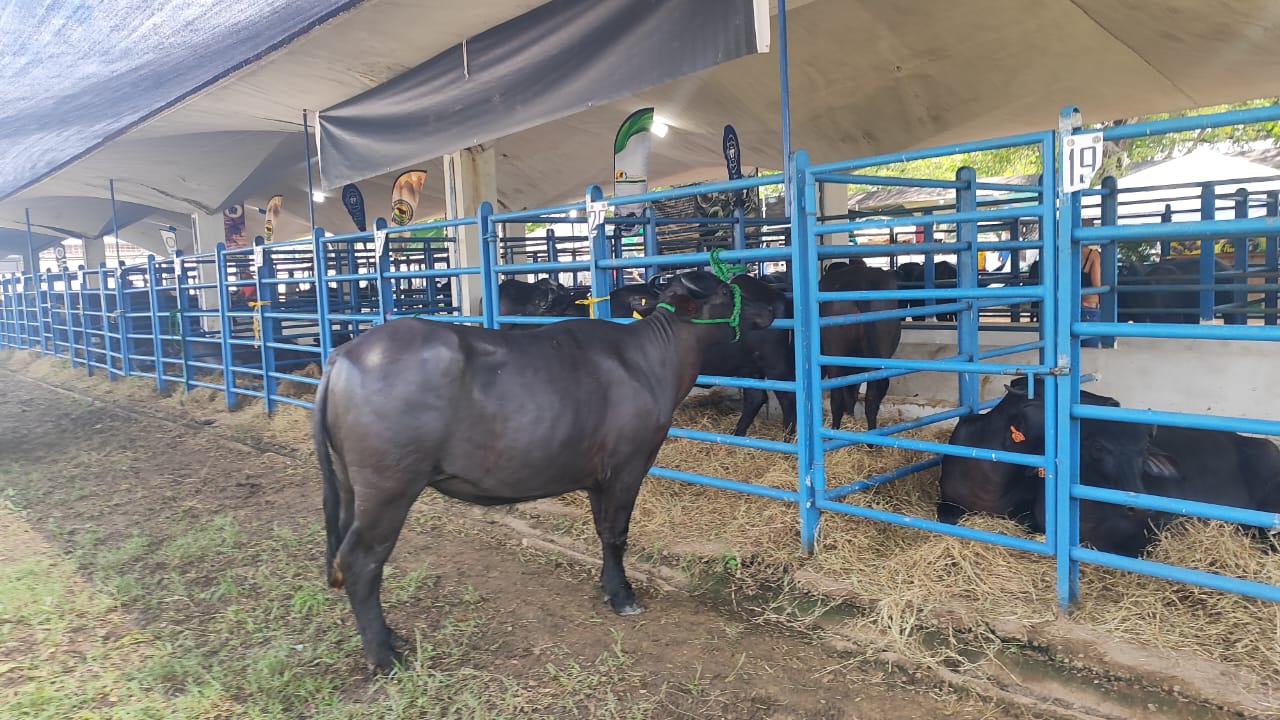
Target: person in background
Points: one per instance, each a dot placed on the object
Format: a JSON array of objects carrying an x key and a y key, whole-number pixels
[{"x": 1090, "y": 277}]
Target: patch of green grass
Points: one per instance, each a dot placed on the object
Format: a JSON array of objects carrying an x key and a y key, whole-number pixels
[{"x": 205, "y": 542}]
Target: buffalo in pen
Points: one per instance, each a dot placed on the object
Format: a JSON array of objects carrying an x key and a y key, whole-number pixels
[
  {"x": 1185, "y": 463},
  {"x": 875, "y": 339},
  {"x": 911, "y": 276},
  {"x": 759, "y": 354},
  {"x": 479, "y": 415}
]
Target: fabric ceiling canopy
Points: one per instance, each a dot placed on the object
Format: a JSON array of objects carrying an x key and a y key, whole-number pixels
[
  {"x": 78, "y": 73},
  {"x": 553, "y": 61}
]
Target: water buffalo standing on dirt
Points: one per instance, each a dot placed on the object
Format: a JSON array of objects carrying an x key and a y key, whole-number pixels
[
  {"x": 492, "y": 417},
  {"x": 877, "y": 339}
]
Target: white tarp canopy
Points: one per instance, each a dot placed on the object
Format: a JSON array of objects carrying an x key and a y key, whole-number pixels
[{"x": 867, "y": 77}]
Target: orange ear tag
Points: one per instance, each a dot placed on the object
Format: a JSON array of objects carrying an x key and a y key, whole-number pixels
[
  {"x": 1040, "y": 472},
  {"x": 1016, "y": 434}
]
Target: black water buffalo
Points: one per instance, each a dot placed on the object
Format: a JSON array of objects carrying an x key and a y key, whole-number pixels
[
  {"x": 491, "y": 418},
  {"x": 1165, "y": 306},
  {"x": 1016, "y": 424},
  {"x": 517, "y": 297},
  {"x": 760, "y": 354},
  {"x": 1116, "y": 456},
  {"x": 1207, "y": 466},
  {"x": 878, "y": 339},
  {"x": 911, "y": 276}
]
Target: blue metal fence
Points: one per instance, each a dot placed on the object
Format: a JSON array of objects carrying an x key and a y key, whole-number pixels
[{"x": 259, "y": 315}]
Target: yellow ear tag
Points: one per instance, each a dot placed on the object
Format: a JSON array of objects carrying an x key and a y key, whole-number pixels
[{"x": 636, "y": 315}]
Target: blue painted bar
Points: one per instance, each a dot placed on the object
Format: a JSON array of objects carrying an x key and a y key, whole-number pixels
[
  {"x": 1035, "y": 138},
  {"x": 1178, "y": 331},
  {"x": 1169, "y": 572},
  {"x": 1173, "y": 419},
  {"x": 722, "y": 484},
  {"x": 959, "y": 531},
  {"x": 882, "y": 478},
  {"x": 1226, "y": 513},
  {"x": 733, "y": 440}
]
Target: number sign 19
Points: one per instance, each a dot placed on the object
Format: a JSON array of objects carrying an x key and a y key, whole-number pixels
[
  {"x": 1081, "y": 158},
  {"x": 596, "y": 212}
]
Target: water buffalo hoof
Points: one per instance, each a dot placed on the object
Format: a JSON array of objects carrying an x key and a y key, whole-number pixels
[
  {"x": 389, "y": 665},
  {"x": 629, "y": 609}
]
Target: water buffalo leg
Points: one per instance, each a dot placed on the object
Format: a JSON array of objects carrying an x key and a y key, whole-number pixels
[
  {"x": 843, "y": 400},
  {"x": 787, "y": 401},
  {"x": 949, "y": 512},
  {"x": 378, "y": 518},
  {"x": 876, "y": 390},
  {"x": 752, "y": 401},
  {"x": 611, "y": 506}
]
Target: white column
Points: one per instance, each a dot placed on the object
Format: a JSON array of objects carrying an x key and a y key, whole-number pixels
[
  {"x": 470, "y": 177},
  {"x": 833, "y": 200},
  {"x": 95, "y": 253},
  {"x": 209, "y": 232}
]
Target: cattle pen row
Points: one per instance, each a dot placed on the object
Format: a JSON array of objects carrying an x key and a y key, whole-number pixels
[{"x": 243, "y": 321}]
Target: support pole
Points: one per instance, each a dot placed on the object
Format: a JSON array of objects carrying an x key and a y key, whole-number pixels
[
  {"x": 784, "y": 86},
  {"x": 115, "y": 228}
]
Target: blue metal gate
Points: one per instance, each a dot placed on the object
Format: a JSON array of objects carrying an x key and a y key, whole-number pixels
[{"x": 259, "y": 314}]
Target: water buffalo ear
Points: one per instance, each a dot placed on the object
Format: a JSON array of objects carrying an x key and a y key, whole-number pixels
[{"x": 1160, "y": 465}]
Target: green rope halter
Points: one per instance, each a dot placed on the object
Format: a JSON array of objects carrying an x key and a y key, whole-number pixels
[{"x": 724, "y": 271}]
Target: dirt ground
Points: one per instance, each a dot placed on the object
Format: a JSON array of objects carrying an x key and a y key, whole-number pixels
[{"x": 89, "y": 478}]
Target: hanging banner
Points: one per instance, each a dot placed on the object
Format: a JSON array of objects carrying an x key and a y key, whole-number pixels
[
  {"x": 353, "y": 200},
  {"x": 233, "y": 227},
  {"x": 559, "y": 58},
  {"x": 405, "y": 194},
  {"x": 733, "y": 162},
  {"x": 631, "y": 163},
  {"x": 275, "y": 206}
]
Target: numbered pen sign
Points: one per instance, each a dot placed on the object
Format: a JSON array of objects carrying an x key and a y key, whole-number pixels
[
  {"x": 596, "y": 212},
  {"x": 257, "y": 256},
  {"x": 1081, "y": 158}
]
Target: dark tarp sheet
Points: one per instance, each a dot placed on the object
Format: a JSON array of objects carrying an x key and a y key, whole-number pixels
[
  {"x": 551, "y": 62},
  {"x": 77, "y": 73}
]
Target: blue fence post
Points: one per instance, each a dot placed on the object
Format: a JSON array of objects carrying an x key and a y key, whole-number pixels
[
  {"x": 321, "y": 267},
  {"x": 1272, "y": 260},
  {"x": 650, "y": 239},
  {"x": 42, "y": 301},
  {"x": 601, "y": 279},
  {"x": 489, "y": 309},
  {"x": 1166, "y": 245},
  {"x": 382, "y": 266},
  {"x": 1240, "y": 263},
  {"x": 82, "y": 323},
  {"x": 1208, "y": 253},
  {"x": 67, "y": 315},
  {"x": 122, "y": 325},
  {"x": 553, "y": 255},
  {"x": 157, "y": 343},
  {"x": 1109, "y": 303},
  {"x": 1062, "y": 436},
  {"x": 266, "y": 331},
  {"x": 804, "y": 292},
  {"x": 967, "y": 277},
  {"x": 105, "y": 322},
  {"x": 224, "y": 325},
  {"x": 183, "y": 304}
]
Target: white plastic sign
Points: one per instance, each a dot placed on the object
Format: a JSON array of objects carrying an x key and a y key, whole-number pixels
[
  {"x": 1081, "y": 158},
  {"x": 596, "y": 212},
  {"x": 257, "y": 256},
  {"x": 379, "y": 241}
]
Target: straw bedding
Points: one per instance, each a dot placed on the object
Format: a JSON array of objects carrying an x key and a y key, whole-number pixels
[{"x": 905, "y": 579}]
